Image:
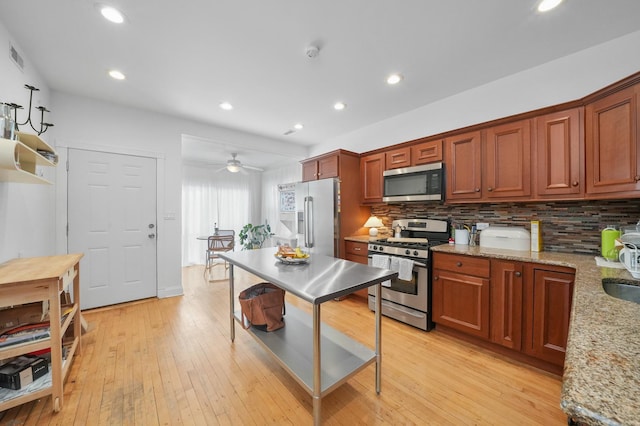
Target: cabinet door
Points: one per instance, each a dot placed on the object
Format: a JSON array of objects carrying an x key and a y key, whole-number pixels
[
  {"x": 426, "y": 152},
  {"x": 371, "y": 168},
  {"x": 463, "y": 168},
  {"x": 461, "y": 302},
  {"x": 328, "y": 167},
  {"x": 309, "y": 171},
  {"x": 559, "y": 154},
  {"x": 506, "y": 303},
  {"x": 356, "y": 251},
  {"x": 398, "y": 158},
  {"x": 611, "y": 143},
  {"x": 508, "y": 161},
  {"x": 549, "y": 307}
]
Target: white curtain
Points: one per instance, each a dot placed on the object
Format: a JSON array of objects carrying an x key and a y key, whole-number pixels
[{"x": 229, "y": 199}]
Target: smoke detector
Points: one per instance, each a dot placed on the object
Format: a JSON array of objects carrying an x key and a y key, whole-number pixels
[{"x": 312, "y": 51}]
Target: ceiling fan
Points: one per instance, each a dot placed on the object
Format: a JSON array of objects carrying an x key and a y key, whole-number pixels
[{"x": 234, "y": 165}]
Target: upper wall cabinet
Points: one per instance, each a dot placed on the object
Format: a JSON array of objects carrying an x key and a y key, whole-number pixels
[
  {"x": 414, "y": 155},
  {"x": 463, "y": 167},
  {"x": 612, "y": 161},
  {"x": 559, "y": 154},
  {"x": 19, "y": 159},
  {"x": 507, "y": 161},
  {"x": 323, "y": 167},
  {"x": 371, "y": 168}
]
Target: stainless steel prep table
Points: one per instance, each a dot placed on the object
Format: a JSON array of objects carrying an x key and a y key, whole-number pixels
[{"x": 335, "y": 357}]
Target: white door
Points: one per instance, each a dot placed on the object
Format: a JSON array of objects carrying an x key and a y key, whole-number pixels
[{"x": 111, "y": 216}]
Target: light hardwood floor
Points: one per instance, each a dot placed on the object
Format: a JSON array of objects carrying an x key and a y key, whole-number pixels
[{"x": 170, "y": 362}]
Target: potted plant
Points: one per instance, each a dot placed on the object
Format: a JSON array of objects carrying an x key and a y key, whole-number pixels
[{"x": 252, "y": 237}]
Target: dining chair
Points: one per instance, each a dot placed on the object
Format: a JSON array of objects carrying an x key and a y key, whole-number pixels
[{"x": 222, "y": 241}]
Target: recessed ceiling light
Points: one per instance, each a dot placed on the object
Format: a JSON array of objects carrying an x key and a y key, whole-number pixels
[
  {"x": 298, "y": 126},
  {"x": 117, "y": 75},
  {"x": 226, "y": 106},
  {"x": 394, "y": 79},
  {"x": 112, "y": 14},
  {"x": 546, "y": 5},
  {"x": 339, "y": 106}
]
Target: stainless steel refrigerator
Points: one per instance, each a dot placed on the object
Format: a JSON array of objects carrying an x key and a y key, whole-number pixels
[{"x": 317, "y": 216}]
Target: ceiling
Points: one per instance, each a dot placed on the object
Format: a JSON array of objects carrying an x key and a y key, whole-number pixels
[{"x": 184, "y": 58}]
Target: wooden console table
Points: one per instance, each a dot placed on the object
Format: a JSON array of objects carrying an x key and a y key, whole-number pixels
[
  {"x": 317, "y": 356},
  {"x": 28, "y": 280}
]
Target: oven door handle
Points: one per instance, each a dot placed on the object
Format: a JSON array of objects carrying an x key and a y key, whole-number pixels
[
  {"x": 401, "y": 309},
  {"x": 418, "y": 264}
]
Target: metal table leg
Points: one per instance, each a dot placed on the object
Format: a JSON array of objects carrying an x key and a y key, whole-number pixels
[
  {"x": 317, "y": 385},
  {"x": 232, "y": 320},
  {"x": 378, "y": 292}
]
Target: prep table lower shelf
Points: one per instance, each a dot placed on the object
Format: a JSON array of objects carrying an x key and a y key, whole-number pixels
[{"x": 341, "y": 357}]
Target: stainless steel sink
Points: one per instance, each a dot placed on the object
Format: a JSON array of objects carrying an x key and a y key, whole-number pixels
[{"x": 621, "y": 290}]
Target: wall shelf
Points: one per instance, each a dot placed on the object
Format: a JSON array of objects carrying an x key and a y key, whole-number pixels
[{"x": 19, "y": 159}]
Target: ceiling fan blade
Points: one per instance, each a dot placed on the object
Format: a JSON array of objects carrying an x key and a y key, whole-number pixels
[
  {"x": 220, "y": 169},
  {"x": 258, "y": 169}
]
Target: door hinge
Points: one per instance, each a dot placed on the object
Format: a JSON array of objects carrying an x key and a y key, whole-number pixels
[
  {"x": 67, "y": 165},
  {"x": 67, "y": 231}
]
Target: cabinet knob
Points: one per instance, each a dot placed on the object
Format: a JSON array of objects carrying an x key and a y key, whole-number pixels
[
  {"x": 489, "y": 189},
  {"x": 637, "y": 178},
  {"x": 458, "y": 264},
  {"x": 436, "y": 278},
  {"x": 356, "y": 249},
  {"x": 477, "y": 189},
  {"x": 575, "y": 183},
  {"x": 518, "y": 274}
]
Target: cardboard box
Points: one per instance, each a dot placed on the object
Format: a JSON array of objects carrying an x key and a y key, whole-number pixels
[
  {"x": 22, "y": 371},
  {"x": 31, "y": 313}
]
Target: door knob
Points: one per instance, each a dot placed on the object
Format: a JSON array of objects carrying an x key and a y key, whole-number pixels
[{"x": 152, "y": 236}]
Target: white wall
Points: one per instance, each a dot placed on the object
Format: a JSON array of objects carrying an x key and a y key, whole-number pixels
[
  {"x": 27, "y": 213},
  {"x": 562, "y": 80}
]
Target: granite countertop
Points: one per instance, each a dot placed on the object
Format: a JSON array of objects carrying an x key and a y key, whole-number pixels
[{"x": 601, "y": 381}]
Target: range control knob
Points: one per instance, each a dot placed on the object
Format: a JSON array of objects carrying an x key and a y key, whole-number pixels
[
  {"x": 374, "y": 248},
  {"x": 407, "y": 252},
  {"x": 381, "y": 248},
  {"x": 415, "y": 253}
]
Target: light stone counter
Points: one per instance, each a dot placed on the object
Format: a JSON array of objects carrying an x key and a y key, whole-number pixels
[{"x": 601, "y": 381}]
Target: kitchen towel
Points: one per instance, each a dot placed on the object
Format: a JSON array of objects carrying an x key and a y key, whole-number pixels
[
  {"x": 381, "y": 261},
  {"x": 405, "y": 271}
]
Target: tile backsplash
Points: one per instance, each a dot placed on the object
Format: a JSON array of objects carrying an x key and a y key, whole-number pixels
[{"x": 567, "y": 226}]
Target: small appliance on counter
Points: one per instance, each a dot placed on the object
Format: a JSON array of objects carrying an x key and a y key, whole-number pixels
[{"x": 506, "y": 237}]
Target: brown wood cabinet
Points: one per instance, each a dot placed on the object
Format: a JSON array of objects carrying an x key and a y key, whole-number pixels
[
  {"x": 507, "y": 161},
  {"x": 521, "y": 306},
  {"x": 559, "y": 154},
  {"x": 506, "y": 303},
  {"x": 612, "y": 135},
  {"x": 371, "y": 169},
  {"x": 356, "y": 251},
  {"x": 461, "y": 293},
  {"x": 397, "y": 158},
  {"x": 463, "y": 167},
  {"x": 322, "y": 167},
  {"x": 549, "y": 294},
  {"x": 426, "y": 152}
]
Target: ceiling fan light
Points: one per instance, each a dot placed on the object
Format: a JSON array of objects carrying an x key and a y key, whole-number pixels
[
  {"x": 233, "y": 168},
  {"x": 112, "y": 14},
  {"x": 546, "y": 5}
]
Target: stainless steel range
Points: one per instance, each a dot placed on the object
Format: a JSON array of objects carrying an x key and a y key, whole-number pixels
[{"x": 408, "y": 299}]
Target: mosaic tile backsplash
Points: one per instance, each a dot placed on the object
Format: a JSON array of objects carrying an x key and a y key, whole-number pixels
[{"x": 567, "y": 227}]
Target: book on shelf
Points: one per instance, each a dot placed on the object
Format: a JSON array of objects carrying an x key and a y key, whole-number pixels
[{"x": 25, "y": 333}]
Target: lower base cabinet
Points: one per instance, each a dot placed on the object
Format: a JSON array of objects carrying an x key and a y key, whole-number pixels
[
  {"x": 517, "y": 308},
  {"x": 356, "y": 251}
]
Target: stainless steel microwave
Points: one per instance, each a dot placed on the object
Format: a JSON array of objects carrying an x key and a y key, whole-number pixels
[{"x": 419, "y": 183}]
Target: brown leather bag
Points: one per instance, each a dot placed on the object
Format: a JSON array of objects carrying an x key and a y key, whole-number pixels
[{"x": 262, "y": 306}]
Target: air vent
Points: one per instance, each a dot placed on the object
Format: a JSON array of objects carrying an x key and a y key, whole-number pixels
[{"x": 16, "y": 58}]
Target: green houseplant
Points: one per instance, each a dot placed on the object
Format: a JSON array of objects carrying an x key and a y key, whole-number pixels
[{"x": 252, "y": 237}]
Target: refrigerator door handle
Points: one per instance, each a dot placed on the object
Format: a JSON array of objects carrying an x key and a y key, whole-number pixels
[{"x": 308, "y": 221}]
